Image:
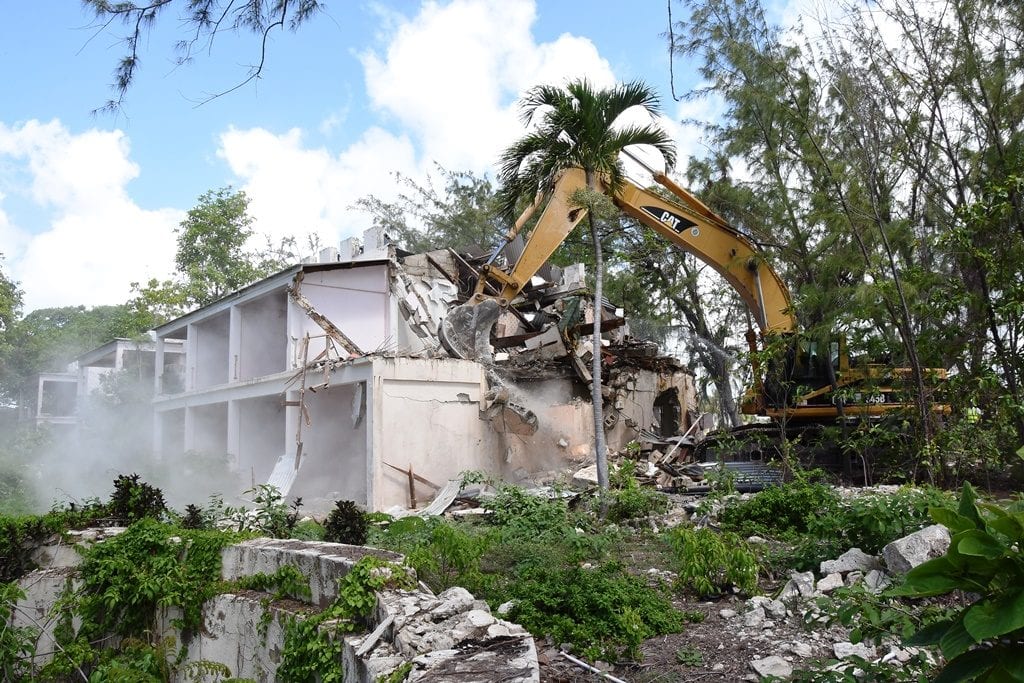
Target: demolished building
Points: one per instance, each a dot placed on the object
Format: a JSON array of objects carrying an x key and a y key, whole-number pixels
[{"x": 327, "y": 379}]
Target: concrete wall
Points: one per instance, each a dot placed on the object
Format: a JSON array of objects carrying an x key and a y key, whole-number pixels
[
  {"x": 209, "y": 364},
  {"x": 450, "y": 636},
  {"x": 425, "y": 414},
  {"x": 263, "y": 336},
  {"x": 355, "y": 300},
  {"x": 262, "y": 437}
]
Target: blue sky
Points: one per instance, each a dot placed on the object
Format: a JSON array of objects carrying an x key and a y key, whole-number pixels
[{"x": 88, "y": 202}]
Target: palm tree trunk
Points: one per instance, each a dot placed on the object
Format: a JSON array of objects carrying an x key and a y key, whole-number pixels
[{"x": 596, "y": 395}]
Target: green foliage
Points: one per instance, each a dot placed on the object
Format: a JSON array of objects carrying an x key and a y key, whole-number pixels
[
  {"x": 17, "y": 643},
  {"x": 448, "y": 556},
  {"x": 150, "y": 565},
  {"x": 398, "y": 675},
  {"x": 270, "y": 515},
  {"x": 629, "y": 500},
  {"x": 346, "y": 523},
  {"x": 983, "y": 640},
  {"x": 605, "y": 612},
  {"x": 134, "y": 499},
  {"x": 791, "y": 506},
  {"x": 286, "y": 582},
  {"x": 423, "y": 217},
  {"x": 709, "y": 563},
  {"x": 689, "y": 656},
  {"x": 311, "y": 650},
  {"x": 19, "y": 535}
]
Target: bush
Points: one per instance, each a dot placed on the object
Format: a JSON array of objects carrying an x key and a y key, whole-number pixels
[
  {"x": 792, "y": 506},
  {"x": 711, "y": 564},
  {"x": 134, "y": 499},
  {"x": 629, "y": 500},
  {"x": 604, "y": 612},
  {"x": 346, "y": 524}
]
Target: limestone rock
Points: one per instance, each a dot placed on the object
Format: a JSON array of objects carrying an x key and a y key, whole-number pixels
[
  {"x": 452, "y": 602},
  {"x": 844, "y": 650},
  {"x": 800, "y": 585},
  {"x": 772, "y": 666},
  {"x": 853, "y": 559},
  {"x": 910, "y": 551},
  {"x": 830, "y": 582},
  {"x": 773, "y": 608},
  {"x": 876, "y": 581}
]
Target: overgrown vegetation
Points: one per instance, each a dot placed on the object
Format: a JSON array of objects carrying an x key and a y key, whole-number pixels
[{"x": 346, "y": 523}]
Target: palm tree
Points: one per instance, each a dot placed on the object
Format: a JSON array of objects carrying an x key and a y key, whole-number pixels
[{"x": 578, "y": 126}]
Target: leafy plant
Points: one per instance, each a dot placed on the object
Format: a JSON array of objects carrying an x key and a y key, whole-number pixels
[
  {"x": 17, "y": 643},
  {"x": 985, "y": 639},
  {"x": 709, "y": 563},
  {"x": 346, "y": 523},
  {"x": 311, "y": 651},
  {"x": 605, "y": 612},
  {"x": 791, "y": 506},
  {"x": 150, "y": 565},
  {"x": 134, "y": 499},
  {"x": 689, "y": 656},
  {"x": 270, "y": 515},
  {"x": 629, "y": 500}
]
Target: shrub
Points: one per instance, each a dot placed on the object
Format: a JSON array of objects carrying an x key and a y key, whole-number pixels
[
  {"x": 604, "y": 612},
  {"x": 710, "y": 564},
  {"x": 629, "y": 500},
  {"x": 346, "y": 523},
  {"x": 134, "y": 499},
  {"x": 792, "y": 506}
]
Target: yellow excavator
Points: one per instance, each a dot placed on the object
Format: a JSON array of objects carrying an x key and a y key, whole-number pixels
[{"x": 807, "y": 382}]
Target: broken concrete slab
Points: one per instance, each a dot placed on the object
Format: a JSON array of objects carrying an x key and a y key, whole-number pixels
[{"x": 853, "y": 559}]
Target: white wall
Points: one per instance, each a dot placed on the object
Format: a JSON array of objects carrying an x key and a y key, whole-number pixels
[{"x": 355, "y": 300}]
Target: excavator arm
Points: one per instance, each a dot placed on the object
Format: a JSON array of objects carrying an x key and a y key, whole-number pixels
[{"x": 688, "y": 224}]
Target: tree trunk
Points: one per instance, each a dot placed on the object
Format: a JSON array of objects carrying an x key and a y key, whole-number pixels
[{"x": 596, "y": 395}]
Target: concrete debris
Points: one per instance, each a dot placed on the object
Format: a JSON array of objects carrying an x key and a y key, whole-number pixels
[
  {"x": 853, "y": 559},
  {"x": 800, "y": 585},
  {"x": 910, "y": 551},
  {"x": 772, "y": 666}
]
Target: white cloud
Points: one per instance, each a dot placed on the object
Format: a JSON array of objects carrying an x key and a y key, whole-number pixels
[
  {"x": 96, "y": 240},
  {"x": 452, "y": 74},
  {"x": 297, "y": 191}
]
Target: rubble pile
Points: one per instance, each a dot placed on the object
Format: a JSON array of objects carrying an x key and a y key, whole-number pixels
[{"x": 778, "y": 628}]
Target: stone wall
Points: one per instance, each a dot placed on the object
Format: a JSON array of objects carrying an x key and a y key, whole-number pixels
[{"x": 450, "y": 637}]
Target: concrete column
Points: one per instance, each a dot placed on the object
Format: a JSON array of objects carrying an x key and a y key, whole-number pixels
[
  {"x": 190, "y": 429},
  {"x": 158, "y": 435},
  {"x": 234, "y": 343},
  {"x": 234, "y": 431},
  {"x": 374, "y": 435},
  {"x": 191, "y": 357},
  {"x": 158, "y": 367}
]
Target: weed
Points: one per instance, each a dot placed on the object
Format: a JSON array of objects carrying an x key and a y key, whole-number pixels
[
  {"x": 792, "y": 506},
  {"x": 605, "y": 612},
  {"x": 710, "y": 564},
  {"x": 689, "y": 656},
  {"x": 311, "y": 652},
  {"x": 17, "y": 643},
  {"x": 629, "y": 500}
]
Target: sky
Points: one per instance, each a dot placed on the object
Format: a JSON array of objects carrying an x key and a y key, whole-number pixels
[{"x": 89, "y": 201}]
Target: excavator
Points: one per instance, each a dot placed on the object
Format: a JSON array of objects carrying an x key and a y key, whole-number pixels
[{"x": 806, "y": 384}]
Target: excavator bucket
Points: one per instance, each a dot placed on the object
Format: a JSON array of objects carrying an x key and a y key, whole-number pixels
[{"x": 466, "y": 330}]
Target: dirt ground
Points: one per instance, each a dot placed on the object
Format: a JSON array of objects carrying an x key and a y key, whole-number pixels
[{"x": 725, "y": 651}]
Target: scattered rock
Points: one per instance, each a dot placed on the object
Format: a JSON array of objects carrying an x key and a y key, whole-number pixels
[
  {"x": 772, "y": 666},
  {"x": 754, "y": 618},
  {"x": 876, "y": 581},
  {"x": 853, "y": 559},
  {"x": 845, "y": 649},
  {"x": 800, "y": 585},
  {"x": 773, "y": 608},
  {"x": 910, "y": 551},
  {"x": 830, "y": 582},
  {"x": 727, "y": 613}
]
